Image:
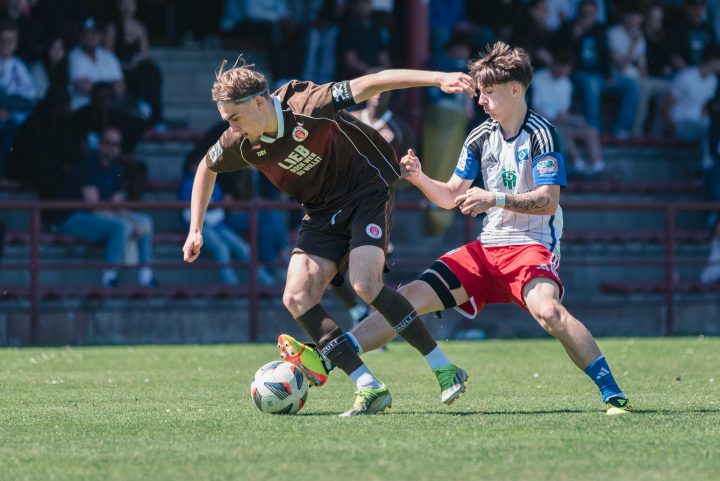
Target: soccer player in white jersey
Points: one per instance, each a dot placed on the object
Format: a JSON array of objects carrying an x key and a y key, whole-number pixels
[{"x": 516, "y": 258}]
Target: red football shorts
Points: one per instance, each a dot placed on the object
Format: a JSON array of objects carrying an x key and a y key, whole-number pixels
[{"x": 497, "y": 275}]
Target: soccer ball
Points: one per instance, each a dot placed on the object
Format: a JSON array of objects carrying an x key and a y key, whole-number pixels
[{"x": 279, "y": 387}]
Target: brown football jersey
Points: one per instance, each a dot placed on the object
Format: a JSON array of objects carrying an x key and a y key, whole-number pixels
[{"x": 323, "y": 157}]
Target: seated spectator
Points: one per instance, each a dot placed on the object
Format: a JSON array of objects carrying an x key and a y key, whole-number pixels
[
  {"x": 533, "y": 34},
  {"x": 50, "y": 72},
  {"x": 128, "y": 38},
  {"x": 89, "y": 63},
  {"x": 691, "y": 90},
  {"x": 690, "y": 33},
  {"x": 320, "y": 57},
  {"x": 593, "y": 76},
  {"x": 29, "y": 27},
  {"x": 17, "y": 90},
  {"x": 218, "y": 237},
  {"x": 552, "y": 100},
  {"x": 711, "y": 272},
  {"x": 98, "y": 177},
  {"x": 378, "y": 115},
  {"x": 102, "y": 112},
  {"x": 361, "y": 46},
  {"x": 44, "y": 150}
]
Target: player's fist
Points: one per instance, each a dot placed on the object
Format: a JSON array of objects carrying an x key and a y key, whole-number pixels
[
  {"x": 410, "y": 167},
  {"x": 193, "y": 244},
  {"x": 457, "y": 83}
]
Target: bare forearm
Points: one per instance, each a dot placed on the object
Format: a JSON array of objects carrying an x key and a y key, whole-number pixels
[
  {"x": 439, "y": 193},
  {"x": 535, "y": 202},
  {"x": 370, "y": 85},
  {"x": 202, "y": 191}
]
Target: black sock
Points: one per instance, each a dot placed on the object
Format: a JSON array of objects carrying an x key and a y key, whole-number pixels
[
  {"x": 402, "y": 317},
  {"x": 329, "y": 338}
]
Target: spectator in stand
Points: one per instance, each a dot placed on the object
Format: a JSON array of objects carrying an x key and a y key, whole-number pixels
[
  {"x": 655, "y": 87},
  {"x": 128, "y": 38},
  {"x": 320, "y": 52},
  {"x": 533, "y": 35},
  {"x": 593, "y": 76},
  {"x": 17, "y": 90},
  {"x": 690, "y": 34},
  {"x": 553, "y": 101},
  {"x": 691, "y": 91},
  {"x": 44, "y": 151},
  {"x": 378, "y": 115},
  {"x": 89, "y": 63},
  {"x": 96, "y": 178},
  {"x": 559, "y": 12},
  {"x": 102, "y": 112},
  {"x": 711, "y": 272},
  {"x": 50, "y": 72},
  {"x": 446, "y": 18},
  {"x": 218, "y": 237},
  {"x": 361, "y": 47},
  {"x": 628, "y": 50},
  {"x": 29, "y": 28},
  {"x": 498, "y": 17}
]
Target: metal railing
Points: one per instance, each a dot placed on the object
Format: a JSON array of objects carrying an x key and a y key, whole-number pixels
[{"x": 669, "y": 261}]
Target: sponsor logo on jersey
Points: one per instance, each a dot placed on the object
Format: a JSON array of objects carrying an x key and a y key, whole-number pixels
[
  {"x": 374, "y": 231},
  {"x": 261, "y": 153},
  {"x": 509, "y": 179},
  {"x": 300, "y": 161},
  {"x": 463, "y": 158},
  {"x": 547, "y": 166},
  {"x": 299, "y": 134},
  {"x": 215, "y": 152},
  {"x": 522, "y": 155}
]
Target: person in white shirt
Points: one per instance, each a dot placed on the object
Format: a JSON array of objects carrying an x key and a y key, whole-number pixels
[
  {"x": 89, "y": 63},
  {"x": 553, "y": 99},
  {"x": 691, "y": 90}
]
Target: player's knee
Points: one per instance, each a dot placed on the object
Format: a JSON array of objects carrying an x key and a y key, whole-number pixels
[
  {"x": 297, "y": 303},
  {"x": 367, "y": 289},
  {"x": 550, "y": 317}
]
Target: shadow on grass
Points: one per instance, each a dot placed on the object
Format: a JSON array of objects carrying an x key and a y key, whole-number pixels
[{"x": 393, "y": 412}]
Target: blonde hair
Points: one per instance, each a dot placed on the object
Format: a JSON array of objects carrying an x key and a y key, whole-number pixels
[
  {"x": 501, "y": 63},
  {"x": 237, "y": 83}
]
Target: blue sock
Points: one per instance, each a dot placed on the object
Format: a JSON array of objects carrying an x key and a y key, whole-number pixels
[
  {"x": 353, "y": 342},
  {"x": 599, "y": 372}
]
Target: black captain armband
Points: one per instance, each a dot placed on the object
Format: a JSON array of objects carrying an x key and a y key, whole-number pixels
[
  {"x": 342, "y": 95},
  {"x": 443, "y": 281}
]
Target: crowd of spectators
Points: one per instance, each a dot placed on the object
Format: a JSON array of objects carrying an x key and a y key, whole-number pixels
[{"x": 70, "y": 70}]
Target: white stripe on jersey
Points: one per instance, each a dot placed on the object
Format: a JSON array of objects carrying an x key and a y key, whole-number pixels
[{"x": 507, "y": 166}]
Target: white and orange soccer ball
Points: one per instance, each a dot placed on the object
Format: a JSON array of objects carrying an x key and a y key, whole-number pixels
[{"x": 279, "y": 387}]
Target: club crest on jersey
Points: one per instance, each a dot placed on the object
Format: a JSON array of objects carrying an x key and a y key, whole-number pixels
[
  {"x": 547, "y": 166},
  {"x": 299, "y": 134},
  {"x": 522, "y": 155},
  {"x": 374, "y": 231}
]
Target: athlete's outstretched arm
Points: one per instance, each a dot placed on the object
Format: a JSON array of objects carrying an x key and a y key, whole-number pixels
[
  {"x": 372, "y": 84},
  {"x": 203, "y": 186},
  {"x": 442, "y": 194},
  {"x": 543, "y": 200}
]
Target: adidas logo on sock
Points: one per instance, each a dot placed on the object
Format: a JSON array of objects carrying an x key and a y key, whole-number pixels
[{"x": 603, "y": 372}]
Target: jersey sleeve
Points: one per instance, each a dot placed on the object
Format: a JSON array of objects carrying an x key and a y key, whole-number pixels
[
  {"x": 547, "y": 160},
  {"x": 468, "y": 165},
  {"x": 225, "y": 154},
  {"x": 316, "y": 100}
]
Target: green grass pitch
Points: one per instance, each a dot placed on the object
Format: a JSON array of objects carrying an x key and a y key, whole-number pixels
[{"x": 184, "y": 413}]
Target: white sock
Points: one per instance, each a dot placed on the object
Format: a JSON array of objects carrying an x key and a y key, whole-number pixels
[
  {"x": 362, "y": 377},
  {"x": 355, "y": 344},
  {"x": 145, "y": 276},
  {"x": 437, "y": 359}
]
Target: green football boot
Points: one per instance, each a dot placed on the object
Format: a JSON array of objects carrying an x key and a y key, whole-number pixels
[
  {"x": 370, "y": 401},
  {"x": 618, "y": 405},
  {"x": 304, "y": 356},
  {"x": 452, "y": 382}
]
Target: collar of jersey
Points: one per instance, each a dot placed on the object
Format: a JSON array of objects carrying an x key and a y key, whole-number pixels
[{"x": 281, "y": 123}]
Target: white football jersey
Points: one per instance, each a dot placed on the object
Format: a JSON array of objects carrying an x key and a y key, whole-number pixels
[{"x": 515, "y": 166}]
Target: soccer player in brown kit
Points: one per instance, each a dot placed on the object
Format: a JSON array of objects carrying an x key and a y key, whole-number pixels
[{"x": 340, "y": 169}]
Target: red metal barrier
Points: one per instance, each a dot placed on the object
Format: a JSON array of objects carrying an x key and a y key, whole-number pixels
[{"x": 35, "y": 208}]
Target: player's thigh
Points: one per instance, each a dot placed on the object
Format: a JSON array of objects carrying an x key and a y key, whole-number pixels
[
  {"x": 541, "y": 294},
  {"x": 308, "y": 276},
  {"x": 424, "y": 298}
]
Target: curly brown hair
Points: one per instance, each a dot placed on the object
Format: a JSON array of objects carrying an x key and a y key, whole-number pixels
[
  {"x": 237, "y": 82},
  {"x": 501, "y": 63}
]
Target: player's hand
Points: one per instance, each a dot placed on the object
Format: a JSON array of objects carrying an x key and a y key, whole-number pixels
[
  {"x": 193, "y": 244},
  {"x": 475, "y": 201},
  {"x": 410, "y": 168},
  {"x": 457, "y": 82}
]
